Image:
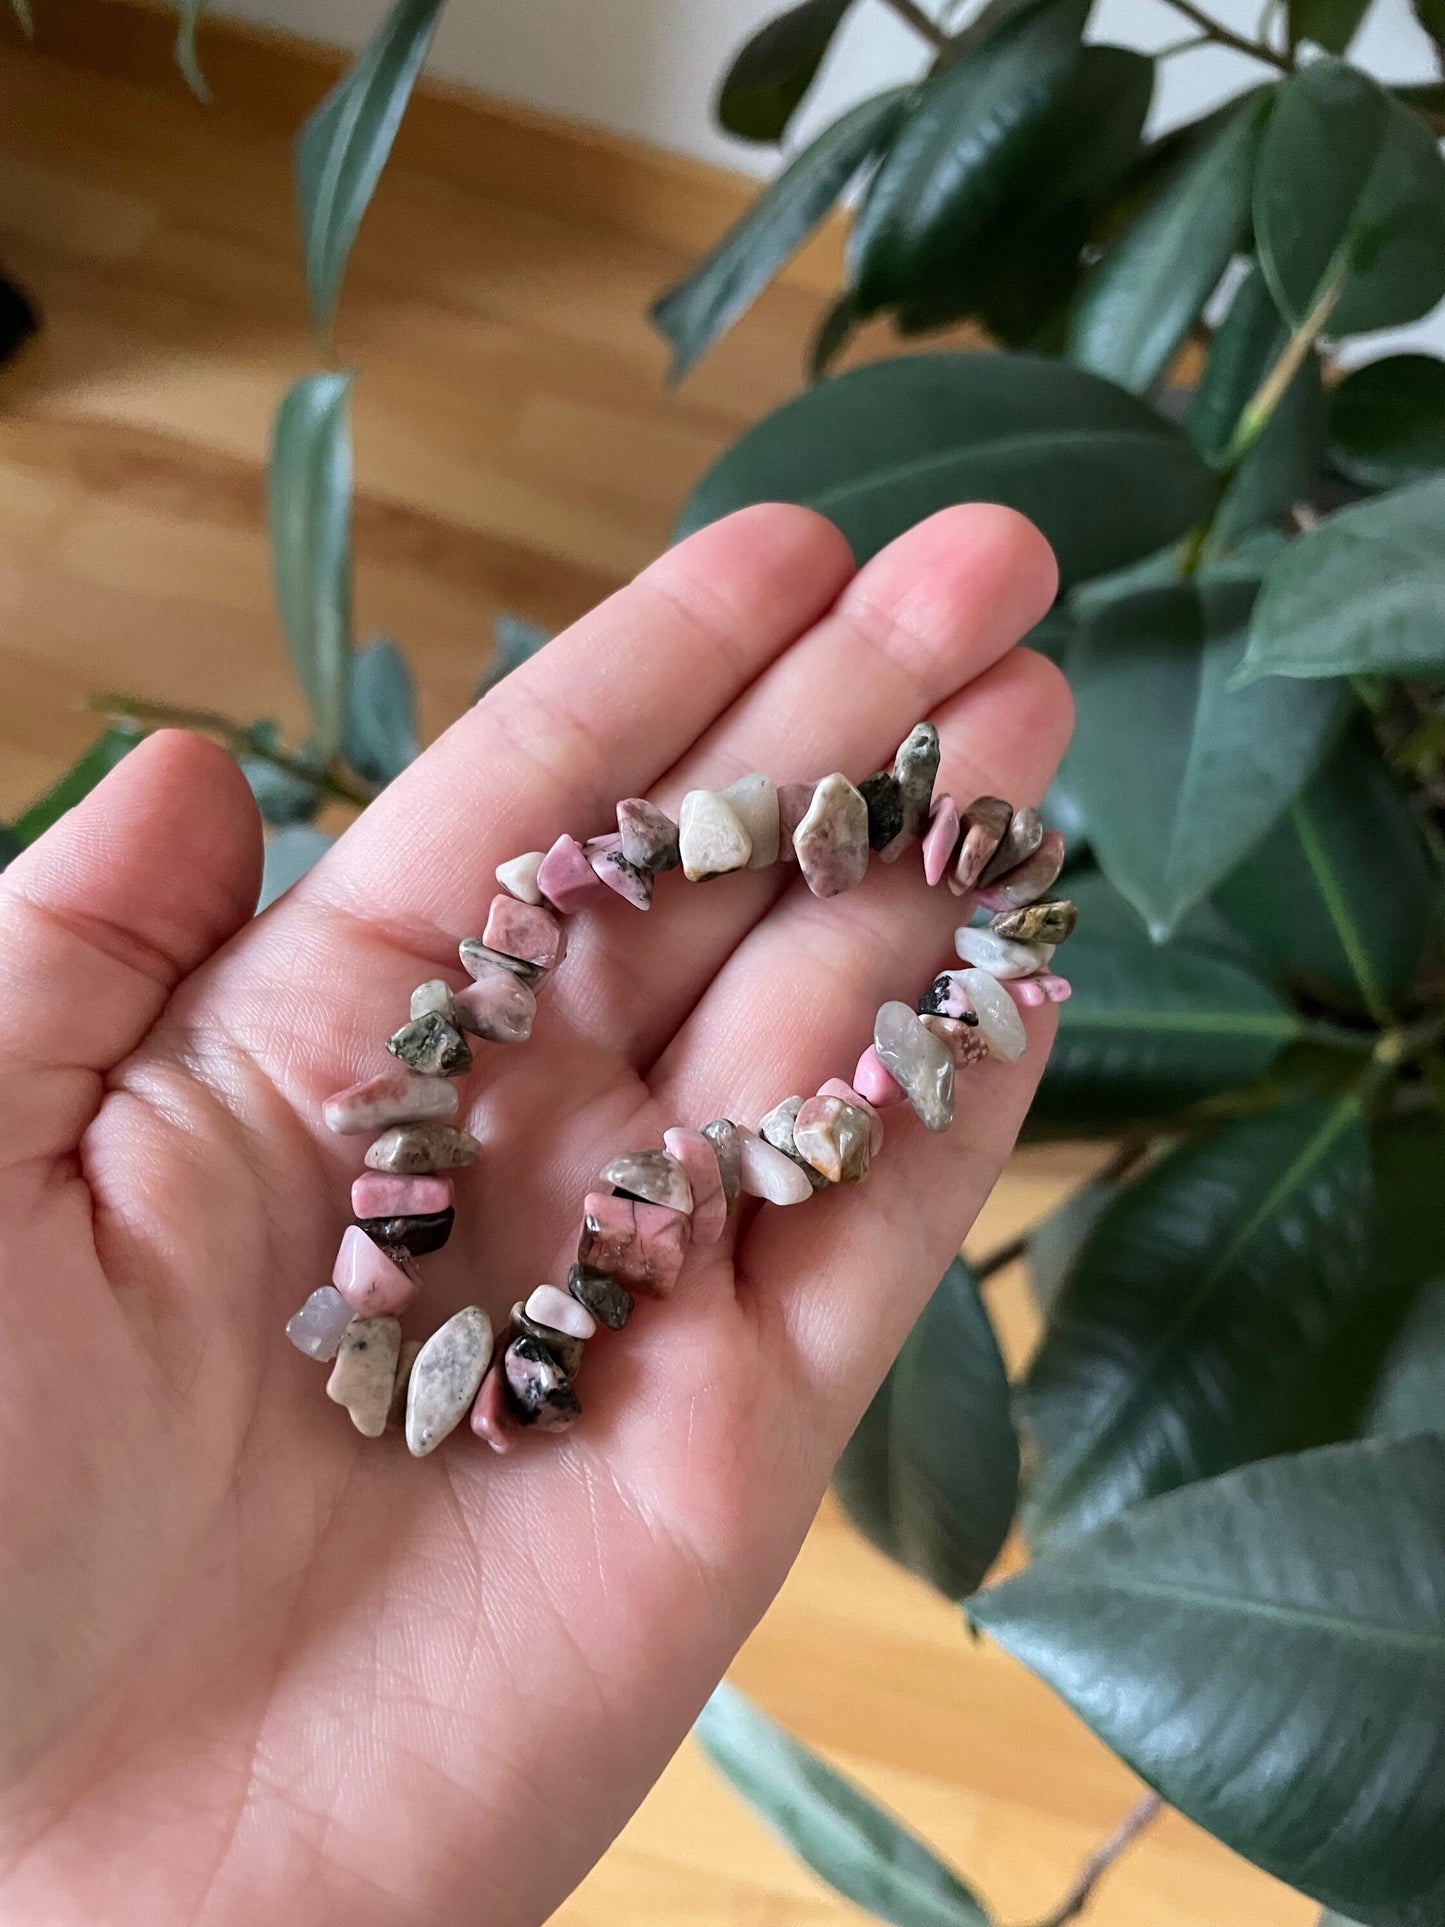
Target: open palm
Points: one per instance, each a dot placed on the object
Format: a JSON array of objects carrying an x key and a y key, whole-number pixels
[{"x": 253, "y": 1666}]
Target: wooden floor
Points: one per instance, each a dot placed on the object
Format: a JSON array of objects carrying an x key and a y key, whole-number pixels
[{"x": 516, "y": 450}]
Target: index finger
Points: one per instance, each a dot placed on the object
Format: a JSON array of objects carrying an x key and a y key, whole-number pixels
[{"x": 597, "y": 715}]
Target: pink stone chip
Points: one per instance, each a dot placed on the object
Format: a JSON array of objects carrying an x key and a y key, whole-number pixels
[
  {"x": 625, "y": 879},
  {"x": 1058, "y": 990},
  {"x": 1028, "y": 992},
  {"x": 375, "y": 1195},
  {"x": 700, "y": 1166},
  {"x": 640, "y": 1245},
  {"x": 393, "y": 1097},
  {"x": 875, "y": 1083},
  {"x": 490, "y": 1418},
  {"x": 368, "y": 1280},
  {"x": 965, "y": 1043},
  {"x": 941, "y": 840},
  {"x": 498, "y": 1006},
  {"x": 770, "y": 1174},
  {"x": 523, "y": 930},
  {"x": 567, "y": 880},
  {"x": 835, "y": 1087},
  {"x": 1027, "y": 881}
]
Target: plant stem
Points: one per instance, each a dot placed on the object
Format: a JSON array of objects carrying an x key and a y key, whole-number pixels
[
  {"x": 1135, "y": 1821},
  {"x": 232, "y": 736},
  {"x": 1227, "y": 37},
  {"x": 930, "y": 30}
]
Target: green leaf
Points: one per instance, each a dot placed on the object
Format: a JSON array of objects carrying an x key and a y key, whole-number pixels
[
  {"x": 309, "y": 510},
  {"x": 1431, "y": 15},
  {"x": 187, "y": 59},
  {"x": 931, "y": 1474},
  {"x": 1409, "y": 1394},
  {"x": 1023, "y": 264},
  {"x": 1339, "y": 897},
  {"x": 974, "y": 127},
  {"x": 1153, "y": 281},
  {"x": 343, "y": 147},
  {"x": 1408, "y": 1246},
  {"x": 1329, "y": 1918},
  {"x": 1387, "y": 422},
  {"x": 1209, "y": 768},
  {"x": 1196, "y": 1313},
  {"x": 290, "y": 853},
  {"x": 1284, "y": 460},
  {"x": 1331, "y": 24},
  {"x": 1153, "y": 1028},
  {"x": 1373, "y": 222},
  {"x": 1056, "y": 1241},
  {"x": 514, "y": 641},
  {"x": 704, "y": 304},
  {"x": 76, "y": 784},
  {"x": 9, "y": 846},
  {"x": 771, "y": 72},
  {"x": 1361, "y": 594},
  {"x": 380, "y": 735},
  {"x": 1268, "y": 1652},
  {"x": 855, "y": 1845},
  {"x": 1106, "y": 478},
  {"x": 281, "y": 797},
  {"x": 830, "y": 337}
]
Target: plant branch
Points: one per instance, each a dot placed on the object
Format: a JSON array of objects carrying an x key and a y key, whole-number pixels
[
  {"x": 232, "y": 736},
  {"x": 916, "y": 18},
  {"x": 1135, "y": 1821},
  {"x": 1226, "y": 36}
]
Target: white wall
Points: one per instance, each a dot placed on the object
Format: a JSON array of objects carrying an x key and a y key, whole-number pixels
[{"x": 649, "y": 67}]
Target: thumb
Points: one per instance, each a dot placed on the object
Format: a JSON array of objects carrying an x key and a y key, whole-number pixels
[{"x": 103, "y": 916}]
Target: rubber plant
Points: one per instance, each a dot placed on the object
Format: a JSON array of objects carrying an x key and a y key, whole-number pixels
[
  {"x": 1234, "y": 1424},
  {"x": 1233, "y": 1483}
]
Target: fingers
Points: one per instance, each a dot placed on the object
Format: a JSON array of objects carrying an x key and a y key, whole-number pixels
[
  {"x": 103, "y": 917},
  {"x": 920, "y": 621},
  {"x": 596, "y": 715},
  {"x": 844, "y": 1275}
]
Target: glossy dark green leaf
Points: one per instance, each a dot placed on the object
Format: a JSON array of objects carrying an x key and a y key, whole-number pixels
[
  {"x": 1373, "y": 222},
  {"x": 1056, "y": 1241},
  {"x": 1431, "y": 16},
  {"x": 833, "y": 1826},
  {"x": 1387, "y": 422},
  {"x": 707, "y": 302},
  {"x": 831, "y": 337},
  {"x": 1023, "y": 264},
  {"x": 1331, "y": 24},
  {"x": 1329, "y": 1918},
  {"x": 1361, "y": 594},
  {"x": 78, "y": 781},
  {"x": 931, "y": 1474},
  {"x": 282, "y": 796},
  {"x": 771, "y": 72},
  {"x": 343, "y": 147},
  {"x": 1195, "y": 1314},
  {"x": 1209, "y": 768},
  {"x": 187, "y": 58},
  {"x": 308, "y": 504},
  {"x": 290, "y": 853},
  {"x": 9, "y": 846},
  {"x": 1340, "y": 896},
  {"x": 1267, "y": 1650},
  {"x": 1409, "y": 1394},
  {"x": 1106, "y": 478},
  {"x": 1408, "y": 1245},
  {"x": 1284, "y": 461},
  {"x": 1154, "y": 279},
  {"x": 514, "y": 641},
  {"x": 958, "y": 158},
  {"x": 380, "y": 735}
]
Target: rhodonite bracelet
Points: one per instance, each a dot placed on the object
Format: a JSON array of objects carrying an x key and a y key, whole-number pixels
[{"x": 650, "y": 1205}]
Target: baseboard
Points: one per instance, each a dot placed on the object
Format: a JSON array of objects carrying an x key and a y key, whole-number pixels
[{"x": 451, "y": 133}]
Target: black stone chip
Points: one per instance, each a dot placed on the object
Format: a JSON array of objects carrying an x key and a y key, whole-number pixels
[
  {"x": 884, "y": 797},
  {"x": 599, "y": 1292},
  {"x": 415, "y": 1235}
]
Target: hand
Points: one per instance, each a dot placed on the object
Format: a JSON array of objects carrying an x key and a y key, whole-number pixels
[{"x": 254, "y": 1667}]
